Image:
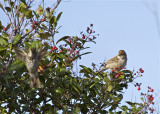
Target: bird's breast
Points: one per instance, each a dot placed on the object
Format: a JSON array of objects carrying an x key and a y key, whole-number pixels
[
  {"x": 122, "y": 63},
  {"x": 32, "y": 65}
]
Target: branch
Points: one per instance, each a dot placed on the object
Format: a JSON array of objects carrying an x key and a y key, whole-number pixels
[{"x": 58, "y": 2}]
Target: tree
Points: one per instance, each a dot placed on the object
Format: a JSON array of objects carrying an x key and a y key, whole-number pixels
[{"x": 62, "y": 88}]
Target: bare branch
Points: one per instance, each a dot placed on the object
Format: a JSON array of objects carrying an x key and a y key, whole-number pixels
[{"x": 58, "y": 2}]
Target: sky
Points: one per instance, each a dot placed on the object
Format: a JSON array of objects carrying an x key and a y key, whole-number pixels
[{"x": 121, "y": 24}]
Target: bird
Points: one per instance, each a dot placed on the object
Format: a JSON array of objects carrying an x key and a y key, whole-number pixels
[
  {"x": 31, "y": 60},
  {"x": 116, "y": 63}
]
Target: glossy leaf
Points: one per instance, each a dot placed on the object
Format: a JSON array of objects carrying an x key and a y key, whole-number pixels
[
  {"x": 36, "y": 44},
  {"x": 6, "y": 36},
  {"x": 8, "y": 9},
  {"x": 52, "y": 20},
  {"x": 16, "y": 39},
  {"x": 16, "y": 66},
  {"x": 39, "y": 11},
  {"x": 3, "y": 41},
  {"x": 59, "y": 16},
  {"x": 62, "y": 39}
]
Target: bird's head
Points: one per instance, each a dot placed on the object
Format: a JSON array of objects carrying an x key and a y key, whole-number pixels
[{"x": 122, "y": 53}]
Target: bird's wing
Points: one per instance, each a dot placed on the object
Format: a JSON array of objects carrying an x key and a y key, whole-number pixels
[
  {"x": 112, "y": 60},
  {"x": 21, "y": 54},
  {"x": 42, "y": 53}
]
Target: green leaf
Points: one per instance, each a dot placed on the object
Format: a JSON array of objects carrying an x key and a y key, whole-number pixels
[
  {"x": 52, "y": 12},
  {"x": 59, "y": 15},
  {"x": 8, "y": 9},
  {"x": 44, "y": 35},
  {"x": 81, "y": 55},
  {"x": 44, "y": 26},
  {"x": 92, "y": 85},
  {"x": 12, "y": 3},
  {"x": 8, "y": 26},
  {"x": 62, "y": 39},
  {"x": 3, "y": 42},
  {"x": 106, "y": 79},
  {"x": 65, "y": 109},
  {"x": 86, "y": 70},
  {"x": 29, "y": 14},
  {"x": 1, "y": 26},
  {"x": 76, "y": 111},
  {"x": 2, "y": 48},
  {"x": 6, "y": 36},
  {"x": 16, "y": 39},
  {"x": 86, "y": 53},
  {"x": 22, "y": 5},
  {"x": 52, "y": 20},
  {"x": 59, "y": 90},
  {"x": 39, "y": 11},
  {"x": 75, "y": 88},
  {"x": 109, "y": 88},
  {"x": 18, "y": 64},
  {"x": 47, "y": 14},
  {"x": 23, "y": 1},
  {"x": 27, "y": 45},
  {"x": 36, "y": 44}
]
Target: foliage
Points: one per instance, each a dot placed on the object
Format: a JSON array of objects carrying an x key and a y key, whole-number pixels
[{"x": 63, "y": 89}]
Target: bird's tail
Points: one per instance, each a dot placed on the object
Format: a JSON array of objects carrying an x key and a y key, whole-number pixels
[{"x": 34, "y": 81}]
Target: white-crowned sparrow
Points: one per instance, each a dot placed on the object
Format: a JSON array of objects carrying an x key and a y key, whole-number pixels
[
  {"x": 31, "y": 60},
  {"x": 116, "y": 63}
]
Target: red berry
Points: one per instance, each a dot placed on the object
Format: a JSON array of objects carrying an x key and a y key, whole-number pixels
[
  {"x": 69, "y": 49},
  {"x": 151, "y": 90},
  {"x": 33, "y": 26},
  {"x": 134, "y": 73},
  {"x": 54, "y": 48},
  {"x": 5, "y": 29},
  {"x": 140, "y": 69},
  {"x": 35, "y": 22},
  {"x": 69, "y": 39},
  {"x": 43, "y": 20},
  {"x": 117, "y": 75},
  {"x": 83, "y": 37},
  {"x": 71, "y": 59},
  {"x": 48, "y": 8},
  {"x": 60, "y": 51},
  {"x": 77, "y": 51},
  {"x": 91, "y": 25},
  {"x": 139, "y": 88}
]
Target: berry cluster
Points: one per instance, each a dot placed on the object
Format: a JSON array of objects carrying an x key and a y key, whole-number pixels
[
  {"x": 148, "y": 99},
  {"x": 74, "y": 45},
  {"x": 138, "y": 74},
  {"x": 89, "y": 35}
]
